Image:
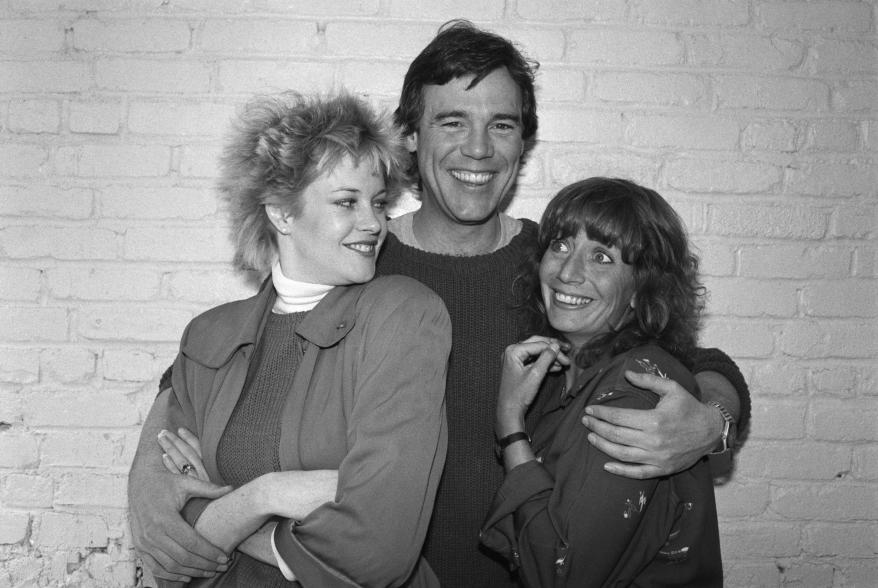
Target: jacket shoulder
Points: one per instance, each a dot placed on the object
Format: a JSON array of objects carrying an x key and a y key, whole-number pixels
[
  {"x": 652, "y": 359},
  {"x": 395, "y": 290}
]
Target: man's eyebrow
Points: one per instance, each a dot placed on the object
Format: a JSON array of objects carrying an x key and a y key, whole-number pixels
[
  {"x": 506, "y": 116},
  {"x": 449, "y": 114}
]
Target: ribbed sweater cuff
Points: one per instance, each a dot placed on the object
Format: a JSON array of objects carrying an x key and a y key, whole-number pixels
[{"x": 714, "y": 360}]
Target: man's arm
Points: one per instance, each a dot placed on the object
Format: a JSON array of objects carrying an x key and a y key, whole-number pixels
[
  {"x": 680, "y": 430},
  {"x": 169, "y": 547}
]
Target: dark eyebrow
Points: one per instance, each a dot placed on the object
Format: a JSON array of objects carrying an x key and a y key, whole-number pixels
[
  {"x": 505, "y": 116},
  {"x": 449, "y": 114}
]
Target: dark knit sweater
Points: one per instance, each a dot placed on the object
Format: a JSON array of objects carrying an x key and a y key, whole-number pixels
[{"x": 478, "y": 294}]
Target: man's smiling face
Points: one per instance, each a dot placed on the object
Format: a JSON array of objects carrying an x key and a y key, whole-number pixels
[{"x": 469, "y": 145}]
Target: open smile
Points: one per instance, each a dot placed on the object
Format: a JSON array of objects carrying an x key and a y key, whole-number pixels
[
  {"x": 367, "y": 248},
  {"x": 472, "y": 178},
  {"x": 570, "y": 300}
]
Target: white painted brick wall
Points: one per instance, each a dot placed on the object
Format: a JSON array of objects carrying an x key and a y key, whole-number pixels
[{"x": 756, "y": 118}]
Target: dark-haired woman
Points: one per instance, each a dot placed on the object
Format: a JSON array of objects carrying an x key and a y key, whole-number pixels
[{"x": 613, "y": 289}]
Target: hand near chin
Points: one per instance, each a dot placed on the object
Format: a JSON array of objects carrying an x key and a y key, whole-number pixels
[
  {"x": 525, "y": 365},
  {"x": 652, "y": 443}
]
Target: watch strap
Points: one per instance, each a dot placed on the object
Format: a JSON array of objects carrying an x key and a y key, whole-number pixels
[
  {"x": 727, "y": 438},
  {"x": 508, "y": 440}
]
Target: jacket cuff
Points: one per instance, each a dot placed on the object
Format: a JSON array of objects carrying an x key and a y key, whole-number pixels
[
  {"x": 193, "y": 509},
  {"x": 306, "y": 567}
]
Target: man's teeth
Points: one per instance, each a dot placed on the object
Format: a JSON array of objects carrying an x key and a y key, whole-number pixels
[
  {"x": 568, "y": 299},
  {"x": 472, "y": 177}
]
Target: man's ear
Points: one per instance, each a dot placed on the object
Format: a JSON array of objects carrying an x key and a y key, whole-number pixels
[
  {"x": 279, "y": 217},
  {"x": 411, "y": 142}
]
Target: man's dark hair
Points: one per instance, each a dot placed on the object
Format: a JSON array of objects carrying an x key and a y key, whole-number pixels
[{"x": 461, "y": 49}]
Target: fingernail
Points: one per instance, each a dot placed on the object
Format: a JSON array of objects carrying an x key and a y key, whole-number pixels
[
  {"x": 162, "y": 433},
  {"x": 589, "y": 410},
  {"x": 222, "y": 559}
]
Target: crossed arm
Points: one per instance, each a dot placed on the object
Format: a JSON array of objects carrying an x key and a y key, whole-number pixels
[
  {"x": 169, "y": 546},
  {"x": 238, "y": 520}
]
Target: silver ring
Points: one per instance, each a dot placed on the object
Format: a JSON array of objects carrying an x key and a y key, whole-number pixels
[{"x": 187, "y": 467}]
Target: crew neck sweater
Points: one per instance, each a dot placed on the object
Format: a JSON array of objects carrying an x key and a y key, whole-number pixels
[{"x": 477, "y": 291}]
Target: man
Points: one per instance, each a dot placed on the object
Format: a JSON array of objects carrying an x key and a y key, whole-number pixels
[{"x": 468, "y": 111}]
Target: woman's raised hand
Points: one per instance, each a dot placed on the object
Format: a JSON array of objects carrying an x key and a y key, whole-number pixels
[
  {"x": 525, "y": 365},
  {"x": 182, "y": 453}
]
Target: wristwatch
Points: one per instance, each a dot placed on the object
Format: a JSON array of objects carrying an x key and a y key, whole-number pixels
[
  {"x": 508, "y": 440},
  {"x": 730, "y": 430}
]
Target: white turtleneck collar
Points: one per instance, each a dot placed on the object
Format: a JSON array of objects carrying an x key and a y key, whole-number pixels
[{"x": 294, "y": 296}]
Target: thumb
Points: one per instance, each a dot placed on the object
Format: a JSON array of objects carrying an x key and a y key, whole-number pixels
[
  {"x": 656, "y": 384},
  {"x": 542, "y": 364},
  {"x": 202, "y": 489}
]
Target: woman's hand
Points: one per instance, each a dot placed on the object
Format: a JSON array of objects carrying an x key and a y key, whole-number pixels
[
  {"x": 525, "y": 365},
  {"x": 182, "y": 453}
]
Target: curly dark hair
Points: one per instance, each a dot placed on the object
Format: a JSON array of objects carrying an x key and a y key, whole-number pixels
[
  {"x": 669, "y": 297},
  {"x": 461, "y": 49}
]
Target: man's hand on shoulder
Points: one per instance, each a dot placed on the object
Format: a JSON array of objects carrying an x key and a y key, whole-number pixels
[{"x": 658, "y": 442}]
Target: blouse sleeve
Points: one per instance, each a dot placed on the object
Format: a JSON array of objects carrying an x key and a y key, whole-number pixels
[
  {"x": 372, "y": 534},
  {"x": 714, "y": 360},
  {"x": 572, "y": 528}
]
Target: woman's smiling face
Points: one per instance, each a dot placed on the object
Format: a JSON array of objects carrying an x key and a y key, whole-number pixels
[
  {"x": 336, "y": 237},
  {"x": 586, "y": 287}
]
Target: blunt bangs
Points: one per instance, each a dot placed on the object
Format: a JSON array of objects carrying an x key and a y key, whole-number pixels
[{"x": 601, "y": 212}]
